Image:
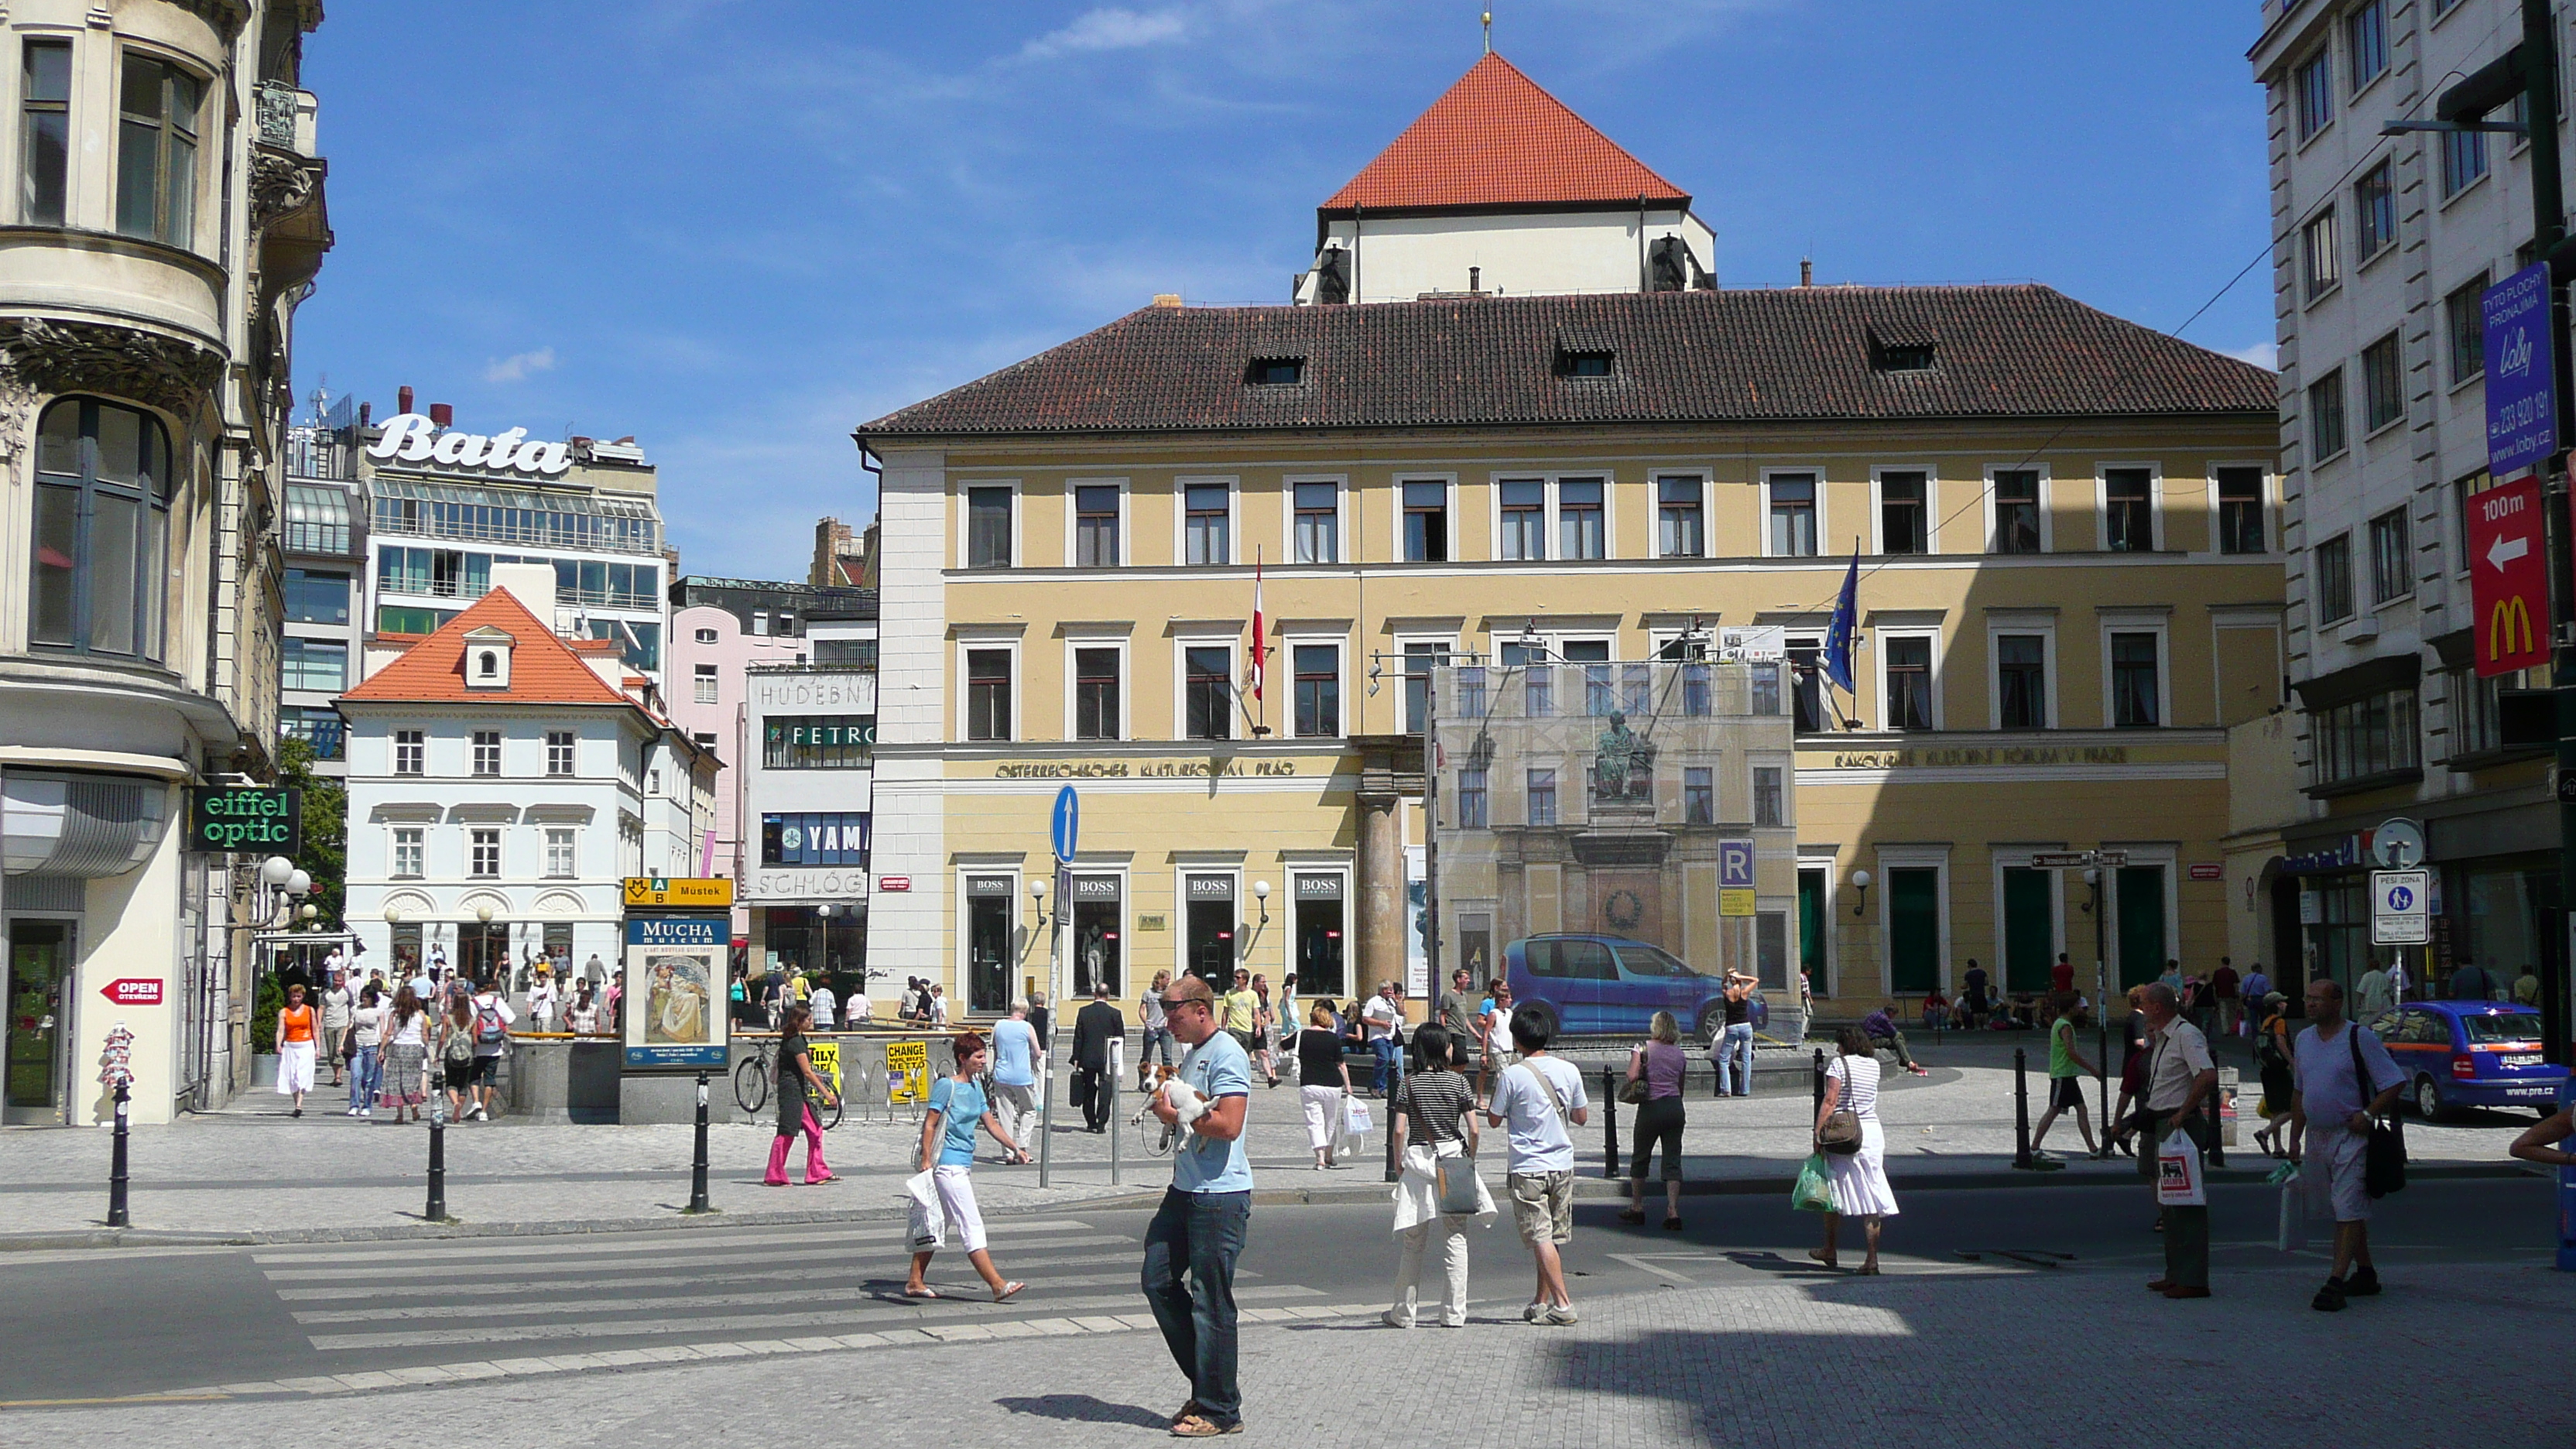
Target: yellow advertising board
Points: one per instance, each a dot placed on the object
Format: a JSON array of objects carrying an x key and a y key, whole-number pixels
[
  {"x": 826, "y": 1057},
  {"x": 907, "y": 1072},
  {"x": 684, "y": 892}
]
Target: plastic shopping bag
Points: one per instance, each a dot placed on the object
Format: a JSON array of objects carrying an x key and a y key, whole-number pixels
[
  {"x": 2178, "y": 1173},
  {"x": 1815, "y": 1190},
  {"x": 928, "y": 1225},
  {"x": 1357, "y": 1120}
]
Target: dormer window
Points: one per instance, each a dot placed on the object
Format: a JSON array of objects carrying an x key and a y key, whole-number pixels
[
  {"x": 487, "y": 658},
  {"x": 1585, "y": 362},
  {"x": 1275, "y": 372},
  {"x": 1902, "y": 354}
]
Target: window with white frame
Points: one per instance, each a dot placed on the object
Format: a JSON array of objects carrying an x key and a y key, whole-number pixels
[
  {"x": 2021, "y": 681},
  {"x": 1207, "y": 523},
  {"x": 44, "y": 126},
  {"x": 702, "y": 684},
  {"x": 562, "y": 859},
  {"x": 1426, "y": 520},
  {"x": 1096, "y": 707},
  {"x": 1699, "y": 795},
  {"x": 1318, "y": 523},
  {"x": 2015, "y": 498},
  {"x": 988, "y": 533},
  {"x": 1681, "y": 516},
  {"x": 1474, "y": 806},
  {"x": 484, "y": 852},
  {"x": 2137, "y": 685},
  {"x": 1581, "y": 513},
  {"x": 1207, "y": 691},
  {"x": 1906, "y": 660},
  {"x": 410, "y": 752},
  {"x": 1793, "y": 514},
  {"x": 559, "y": 752},
  {"x": 409, "y": 853},
  {"x": 1096, "y": 525},
  {"x": 2240, "y": 510},
  {"x": 2392, "y": 575},
  {"x": 2129, "y": 510},
  {"x": 487, "y": 752},
  {"x": 1542, "y": 797},
  {"x": 1318, "y": 689},
  {"x": 1421, "y": 656},
  {"x": 1770, "y": 795},
  {"x": 158, "y": 110},
  {"x": 1524, "y": 519},
  {"x": 988, "y": 694}
]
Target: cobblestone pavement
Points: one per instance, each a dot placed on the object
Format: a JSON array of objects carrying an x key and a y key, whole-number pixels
[
  {"x": 2031, "y": 1358},
  {"x": 251, "y": 1170}
]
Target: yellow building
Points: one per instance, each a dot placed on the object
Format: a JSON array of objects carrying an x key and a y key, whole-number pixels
[{"x": 2070, "y": 585}]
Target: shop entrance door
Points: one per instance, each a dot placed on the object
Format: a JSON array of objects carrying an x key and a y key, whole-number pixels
[
  {"x": 1913, "y": 930},
  {"x": 1097, "y": 946},
  {"x": 1319, "y": 937},
  {"x": 1210, "y": 939},
  {"x": 483, "y": 952},
  {"x": 37, "y": 993},
  {"x": 988, "y": 944},
  {"x": 2030, "y": 928},
  {"x": 2142, "y": 924}
]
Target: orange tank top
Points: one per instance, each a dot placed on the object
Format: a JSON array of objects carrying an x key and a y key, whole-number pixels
[{"x": 299, "y": 1023}]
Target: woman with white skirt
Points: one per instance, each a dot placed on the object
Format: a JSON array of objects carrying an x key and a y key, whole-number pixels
[
  {"x": 1323, "y": 1085},
  {"x": 1433, "y": 1117},
  {"x": 1859, "y": 1179}
]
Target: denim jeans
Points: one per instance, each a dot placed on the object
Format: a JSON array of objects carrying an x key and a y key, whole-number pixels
[
  {"x": 1735, "y": 1061},
  {"x": 366, "y": 1077},
  {"x": 1389, "y": 1059},
  {"x": 1199, "y": 1234},
  {"x": 1155, "y": 1036}
]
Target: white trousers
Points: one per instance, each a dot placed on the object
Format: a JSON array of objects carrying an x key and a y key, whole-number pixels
[
  {"x": 1324, "y": 1118},
  {"x": 1408, "y": 1273},
  {"x": 1017, "y": 1107}
]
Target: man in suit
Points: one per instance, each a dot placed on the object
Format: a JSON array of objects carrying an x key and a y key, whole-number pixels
[{"x": 1094, "y": 1028}]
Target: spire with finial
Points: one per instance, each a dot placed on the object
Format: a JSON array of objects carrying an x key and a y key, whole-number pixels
[{"x": 1489, "y": 32}]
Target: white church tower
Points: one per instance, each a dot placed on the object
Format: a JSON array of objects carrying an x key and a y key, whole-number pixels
[{"x": 1499, "y": 189}]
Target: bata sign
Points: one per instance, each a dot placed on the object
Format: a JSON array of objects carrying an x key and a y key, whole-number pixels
[{"x": 413, "y": 438}]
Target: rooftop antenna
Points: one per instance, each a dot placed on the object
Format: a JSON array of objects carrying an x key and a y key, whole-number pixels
[{"x": 1489, "y": 32}]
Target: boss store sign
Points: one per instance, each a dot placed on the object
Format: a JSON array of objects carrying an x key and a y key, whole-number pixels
[{"x": 268, "y": 819}]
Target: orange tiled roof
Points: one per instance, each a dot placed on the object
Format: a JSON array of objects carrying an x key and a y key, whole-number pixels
[
  {"x": 543, "y": 669},
  {"x": 1497, "y": 139}
]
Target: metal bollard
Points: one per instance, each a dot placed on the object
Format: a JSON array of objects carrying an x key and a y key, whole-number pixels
[
  {"x": 698, "y": 1164},
  {"x": 1820, "y": 1077},
  {"x": 436, "y": 1212},
  {"x": 2021, "y": 1109},
  {"x": 1117, "y": 1074},
  {"x": 117, "y": 1216},
  {"x": 1609, "y": 1121}
]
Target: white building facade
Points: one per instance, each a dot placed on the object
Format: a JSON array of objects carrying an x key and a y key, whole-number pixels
[
  {"x": 808, "y": 766},
  {"x": 501, "y": 789},
  {"x": 2381, "y": 248}
]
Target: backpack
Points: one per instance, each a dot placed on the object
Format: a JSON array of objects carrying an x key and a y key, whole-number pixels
[{"x": 489, "y": 1030}]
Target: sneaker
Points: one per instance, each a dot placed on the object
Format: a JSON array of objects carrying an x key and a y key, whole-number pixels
[
  {"x": 2364, "y": 1283},
  {"x": 1562, "y": 1314},
  {"x": 366, "y": 1111},
  {"x": 1393, "y": 1319},
  {"x": 2330, "y": 1298},
  {"x": 1533, "y": 1312}
]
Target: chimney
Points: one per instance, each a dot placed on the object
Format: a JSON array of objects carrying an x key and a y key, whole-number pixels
[
  {"x": 1475, "y": 279},
  {"x": 366, "y": 416},
  {"x": 402, "y": 400},
  {"x": 533, "y": 585},
  {"x": 1806, "y": 271},
  {"x": 1167, "y": 299},
  {"x": 442, "y": 415}
]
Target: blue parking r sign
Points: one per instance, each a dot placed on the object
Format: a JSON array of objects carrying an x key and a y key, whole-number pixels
[{"x": 1735, "y": 865}]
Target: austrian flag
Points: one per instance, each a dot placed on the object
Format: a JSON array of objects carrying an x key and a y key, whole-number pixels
[{"x": 1260, "y": 632}]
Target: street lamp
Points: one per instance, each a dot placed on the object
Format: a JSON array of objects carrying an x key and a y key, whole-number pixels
[
  {"x": 393, "y": 915},
  {"x": 309, "y": 910},
  {"x": 1860, "y": 882},
  {"x": 1037, "y": 896},
  {"x": 483, "y": 914},
  {"x": 1261, "y": 897},
  {"x": 276, "y": 869}
]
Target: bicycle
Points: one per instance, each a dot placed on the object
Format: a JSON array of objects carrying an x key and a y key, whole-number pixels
[{"x": 753, "y": 1074}]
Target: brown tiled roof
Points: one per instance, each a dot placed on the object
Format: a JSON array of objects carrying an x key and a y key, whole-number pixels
[
  {"x": 1798, "y": 354},
  {"x": 1496, "y": 139},
  {"x": 543, "y": 670}
]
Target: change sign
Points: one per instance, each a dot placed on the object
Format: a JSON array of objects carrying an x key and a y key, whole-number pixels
[
  {"x": 2522, "y": 421},
  {"x": 2508, "y": 578}
]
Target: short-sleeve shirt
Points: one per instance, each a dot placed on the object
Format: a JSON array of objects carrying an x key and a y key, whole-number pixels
[
  {"x": 1859, "y": 1076},
  {"x": 1240, "y": 1007},
  {"x": 1432, "y": 1103},
  {"x": 1380, "y": 1017},
  {"x": 368, "y": 1021},
  {"x": 1319, "y": 1058},
  {"x": 823, "y": 1004},
  {"x": 1150, "y": 1007},
  {"x": 1216, "y": 1068},
  {"x": 2324, "y": 1077},
  {"x": 1541, "y": 1137},
  {"x": 2180, "y": 1054},
  {"x": 961, "y": 1106},
  {"x": 1015, "y": 1053}
]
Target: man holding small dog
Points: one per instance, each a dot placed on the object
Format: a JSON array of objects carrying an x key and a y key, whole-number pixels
[{"x": 1198, "y": 1233}]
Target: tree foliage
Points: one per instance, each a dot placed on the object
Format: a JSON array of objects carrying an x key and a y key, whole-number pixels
[{"x": 326, "y": 829}]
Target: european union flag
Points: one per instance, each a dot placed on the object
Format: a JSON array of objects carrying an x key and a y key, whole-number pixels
[{"x": 1838, "y": 634}]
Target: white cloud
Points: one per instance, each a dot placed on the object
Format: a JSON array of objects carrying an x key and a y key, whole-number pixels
[
  {"x": 517, "y": 366},
  {"x": 1108, "y": 28},
  {"x": 2265, "y": 355}
]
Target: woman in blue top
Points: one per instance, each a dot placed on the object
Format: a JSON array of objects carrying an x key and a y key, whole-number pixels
[{"x": 957, "y": 1107}]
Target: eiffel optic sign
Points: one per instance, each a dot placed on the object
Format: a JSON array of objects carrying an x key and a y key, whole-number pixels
[{"x": 413, "y": 438}]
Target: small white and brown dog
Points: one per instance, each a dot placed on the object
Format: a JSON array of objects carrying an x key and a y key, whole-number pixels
[{"x": 1186, "y": 1100}]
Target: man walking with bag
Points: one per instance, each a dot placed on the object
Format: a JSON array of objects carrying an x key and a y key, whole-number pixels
[
  {"x": 1094, "y": 1028},
  {"x": 2328, "y": 1111},
  {"x": 1540, "y": 1100},
  {"x": 2180, "y": 1078},
  {"x": 1197, "y": 1234}
]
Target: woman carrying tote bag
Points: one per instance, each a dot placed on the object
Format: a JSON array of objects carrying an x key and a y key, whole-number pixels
[
  {"x": 1654, "y": 1088},
  {"x": 1433, "y": 1119},
  {"x": 1859, "y": 1175}
]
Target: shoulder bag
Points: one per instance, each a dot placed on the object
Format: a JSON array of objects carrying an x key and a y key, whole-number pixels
[
  {"x": 1841, "y": 1133},
  {"x": 1633, "y": 1091},
  {"x": 2383, "y": 1166}
]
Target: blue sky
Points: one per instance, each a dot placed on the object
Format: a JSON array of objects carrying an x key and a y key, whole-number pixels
[{"x": 736, "y": 230}]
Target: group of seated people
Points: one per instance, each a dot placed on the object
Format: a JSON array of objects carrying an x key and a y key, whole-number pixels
[{"x": 2019, "y": 1011}]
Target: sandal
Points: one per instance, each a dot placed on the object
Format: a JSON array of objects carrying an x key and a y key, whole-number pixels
[
  {"x": 1821, "y": 1256},
  {"x": 1009, "y": 1292},
  {"x": 1672, "y": 1225},
  {"x": 921, "y": 1293},
  {"x": 1634, "y": 1217}
]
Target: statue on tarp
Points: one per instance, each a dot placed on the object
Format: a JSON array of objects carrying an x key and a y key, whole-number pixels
[{"x": 1623, "y": 764}]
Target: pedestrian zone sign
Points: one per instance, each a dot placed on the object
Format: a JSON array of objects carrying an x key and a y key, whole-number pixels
[{"x": 2399, "y": 901}]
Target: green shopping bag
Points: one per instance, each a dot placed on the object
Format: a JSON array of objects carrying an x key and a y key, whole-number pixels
[{"x": 1814, "y": 1192}]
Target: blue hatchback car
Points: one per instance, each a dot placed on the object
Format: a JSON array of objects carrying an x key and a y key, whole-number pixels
[
  {"x": 1601, "y": 984},
  {"x": 2470, "y": 1054}
]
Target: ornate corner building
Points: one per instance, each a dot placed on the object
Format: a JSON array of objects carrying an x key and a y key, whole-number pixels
[{"x": 164, "y": 218}]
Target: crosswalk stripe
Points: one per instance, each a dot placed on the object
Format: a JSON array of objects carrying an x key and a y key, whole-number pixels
[
  {"x": 768, "y": 1322},
  {"x": 657, "y": 1242},
  {"x": 816, "y": 1275},
  {"x": 807, "y": 1293},
  {"x": 575, "y": 1263}
]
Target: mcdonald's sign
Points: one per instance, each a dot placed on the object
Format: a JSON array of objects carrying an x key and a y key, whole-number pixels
[{"x": 2509, "y": 577}]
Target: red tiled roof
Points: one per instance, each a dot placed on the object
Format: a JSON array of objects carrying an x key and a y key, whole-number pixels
[
  {"x": 1496, "y": 139},
  {"x": 1805, "y": 354},
  {"x": 543, "y": 670}
]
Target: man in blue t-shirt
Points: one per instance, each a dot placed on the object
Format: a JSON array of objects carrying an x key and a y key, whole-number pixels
[{"x": 1198, "y": 1233}]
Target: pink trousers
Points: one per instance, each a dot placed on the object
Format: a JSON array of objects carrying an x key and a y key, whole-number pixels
[{"x": 816, "y": 1169}]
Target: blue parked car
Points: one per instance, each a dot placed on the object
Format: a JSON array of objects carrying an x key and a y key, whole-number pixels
[
  {"x": 1593, "y": 985},
  {"x": 2470, "y": 1054}
]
